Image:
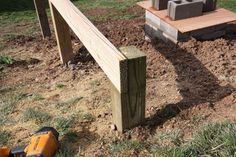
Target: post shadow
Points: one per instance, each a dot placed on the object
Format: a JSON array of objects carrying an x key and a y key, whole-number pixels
[{"x": 195, "y": 82}]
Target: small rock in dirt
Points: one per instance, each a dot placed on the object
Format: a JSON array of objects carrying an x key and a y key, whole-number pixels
[
  {"x": 72, "y": 66},
  {"x": 113, "y": 127}
]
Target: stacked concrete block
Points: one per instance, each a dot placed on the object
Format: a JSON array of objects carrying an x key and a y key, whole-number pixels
[
  {"x": 182, "y": 9},
  {"x": 209, "y": 5},
  {"x": 157, "y": 28},
  {"x": 160, "y": 4}
]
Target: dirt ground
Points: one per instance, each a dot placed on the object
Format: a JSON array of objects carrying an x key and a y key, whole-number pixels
[{"x": 188, "y": 85}]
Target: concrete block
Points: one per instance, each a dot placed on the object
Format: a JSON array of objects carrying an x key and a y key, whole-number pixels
[
  {"x": 153, "y": 19},
  {"x": 152, "y": 32},
  {"x": 182, "y": 9},
  {"x": 209, "y": 5},
  {"x": 160, "y": 4}
]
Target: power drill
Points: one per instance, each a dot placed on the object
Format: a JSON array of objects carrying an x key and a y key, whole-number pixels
[{"x": 44, "y": 143}]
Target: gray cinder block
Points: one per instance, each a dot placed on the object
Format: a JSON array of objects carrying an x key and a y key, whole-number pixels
[
  {"x": 209, "y": 5},
  {"x": 182, "y": 9},
  {"x": 160, "y": 4}
]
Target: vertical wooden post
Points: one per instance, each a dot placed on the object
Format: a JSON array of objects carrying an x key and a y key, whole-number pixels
[
  {"x": 63, "y": 36},
  {"x": 128, "y": 107},
  {"x": 42, "y": 16}
]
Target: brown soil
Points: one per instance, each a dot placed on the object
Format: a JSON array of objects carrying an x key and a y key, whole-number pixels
[{"x": 188, "y": 84}]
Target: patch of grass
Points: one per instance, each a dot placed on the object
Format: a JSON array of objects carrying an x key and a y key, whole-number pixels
[
  {"x": 69, "y": 102},
  {"x": 118, "y": 7},
  {"x": 9, "y": 36},
  {"x": 37, "y": 97},
  {"x": 5, "y": 89},
  {"x": 2, "y": 46},
  {"x": 4, "y": 137},
  {"x": 94, "y": 84},
  {"x": 168, "y": 137},
  {"x": 60, "y": 85},
  {"x": 21, "y": 96},
  {"x": 228, "y": 4},
  {"x": 8, "y": 18},
  {"x": 8, "y": 106},
  {"x": 63, "y": 125},
  {"x": 70, "y": 137},
  {"x": 127, "y": 145},
  {"x": 113, "y": 4},
  {"x": 6, "y": 59},
  {"x": 37, "y": 115},
  {"x": 65, "y": 151},
  {"x": 88, "y": 117},
  {"x": 210, "y": 140}
]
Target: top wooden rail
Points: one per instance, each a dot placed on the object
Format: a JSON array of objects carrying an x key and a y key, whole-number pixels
[
  {"x": 106, "y": 55},
  {"x": 126, "y": 68}
]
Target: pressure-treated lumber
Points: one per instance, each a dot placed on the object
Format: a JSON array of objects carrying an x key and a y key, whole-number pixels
[
  {"x": 63, "y": 36},
  {"x": 217, "y": 17},
  {"x": 126, "y": 69},
  {"x": 112, "y": 61},
  {"x": 128, "y": 108},
  {"x": 42, "y": 17}
]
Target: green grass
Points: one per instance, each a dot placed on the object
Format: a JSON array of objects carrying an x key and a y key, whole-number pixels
[
  {"x": 4, "y": 59},
  {"x": 68, "y": 103},
  {"x": 4, "y": 137},
  {"x": 65, "y": 151},
  {"x": 37, "y": 97},
  {"x": 228, "y": 4},
  {"x": 63, "y": 125},
  {"x": 217, "y": 140},
  {"x": 70, "y": 137},
  {"x": 8, "y": 104},
  {"x": 60, "y": 85},
  {"x": 112, "y": 4},
  {"x": 36, "y": 115}
]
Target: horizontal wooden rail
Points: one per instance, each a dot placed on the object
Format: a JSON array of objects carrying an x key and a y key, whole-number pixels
[
  {"x": 105, "y": 54},
  {"x": 126, "y": 69}
]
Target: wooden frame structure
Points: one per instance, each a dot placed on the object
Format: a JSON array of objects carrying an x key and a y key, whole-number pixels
[{"x": 126, "y": 68}]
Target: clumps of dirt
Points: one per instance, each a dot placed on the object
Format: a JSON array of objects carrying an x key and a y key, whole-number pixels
[
  {"x": 123, "y": 32},
  {"x": 20, "y": 40}
]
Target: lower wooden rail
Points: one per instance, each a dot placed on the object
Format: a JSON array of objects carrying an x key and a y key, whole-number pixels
[{"x": 126, "y": 68}]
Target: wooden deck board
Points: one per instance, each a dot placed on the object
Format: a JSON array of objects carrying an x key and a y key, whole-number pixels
[{"x": 217, "y": 17}]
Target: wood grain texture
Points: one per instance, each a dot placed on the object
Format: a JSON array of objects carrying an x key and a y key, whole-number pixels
[
  {"x": 217, "y": 17},
  {"x": 109, "y": 58},
  {"x": 63, "y": 36},
  {"x": 42, "y": 17},
  {"x": 128, "y": 108}
]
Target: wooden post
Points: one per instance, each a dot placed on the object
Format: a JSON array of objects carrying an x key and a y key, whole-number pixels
[
  {"x": 63, "y": 36},
  {"x": 42, "y": 16},
  {"x": 128, "y": 107}
]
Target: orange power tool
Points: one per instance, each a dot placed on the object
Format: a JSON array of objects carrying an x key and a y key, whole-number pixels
[{"x": 44, "y": 143}]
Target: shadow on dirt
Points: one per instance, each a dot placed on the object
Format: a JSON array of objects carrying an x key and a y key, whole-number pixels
[
  {"x": 195, "y": 82},
  {"x": 83, "y": 56},
  {"x": 74, "y": 140}
]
